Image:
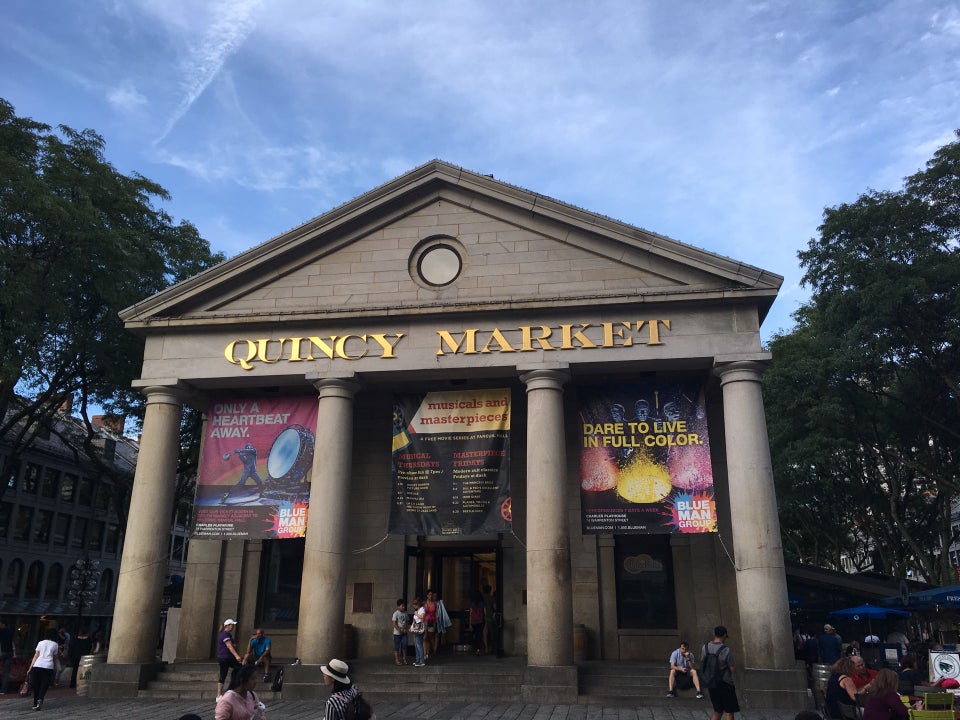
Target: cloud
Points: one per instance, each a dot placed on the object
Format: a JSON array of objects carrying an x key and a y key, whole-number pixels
[
  {"x": 125, "y": 97},
  {"x": 231, "y": 25}
]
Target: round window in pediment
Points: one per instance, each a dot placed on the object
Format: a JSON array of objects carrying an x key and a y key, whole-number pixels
[{"x": 437, "y": 263}]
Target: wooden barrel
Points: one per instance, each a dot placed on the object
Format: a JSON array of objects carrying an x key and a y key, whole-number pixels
[
  {"x": 348, "y": 642},
  {"x": 84, "y": 670},
  {"x": 579, "y": 644}
]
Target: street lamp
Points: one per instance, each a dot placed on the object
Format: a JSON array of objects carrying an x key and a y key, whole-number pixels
[{"x": 84, "y": 577}]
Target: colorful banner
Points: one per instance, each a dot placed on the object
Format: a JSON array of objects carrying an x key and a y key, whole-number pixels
[
  {"x": 451, "y": 463},
  {"x": 645, "y": 459},
  {"x": 255, "y": 468}
]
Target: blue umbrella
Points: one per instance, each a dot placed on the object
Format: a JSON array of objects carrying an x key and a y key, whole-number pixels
[{"x": 869, "y": 613}]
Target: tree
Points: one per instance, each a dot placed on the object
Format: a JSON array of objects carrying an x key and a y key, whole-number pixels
[
  {"x": 79, "y": 241},
  {"x": 863, "y": 393}
]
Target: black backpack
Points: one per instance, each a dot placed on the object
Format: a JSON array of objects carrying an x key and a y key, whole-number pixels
[
  {"x": 711, "y": 674},
  {"x": 359, "y": 709},
  {"x": 277, "y": 684}
]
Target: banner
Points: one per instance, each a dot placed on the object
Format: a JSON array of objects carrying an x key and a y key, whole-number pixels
[
  {"x": 451, "y": 463},
  {"x": 254, "y": 476},
  {"x": 645, "y": 459}
]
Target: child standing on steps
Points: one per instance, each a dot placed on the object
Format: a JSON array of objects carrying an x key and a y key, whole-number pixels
[{"x": 399, "y": 622}]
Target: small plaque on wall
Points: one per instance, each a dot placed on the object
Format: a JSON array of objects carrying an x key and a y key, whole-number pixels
[{"x": 362, "y": 597}]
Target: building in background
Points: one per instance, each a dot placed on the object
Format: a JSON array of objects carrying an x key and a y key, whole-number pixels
[{"x": 61, "y": 531}]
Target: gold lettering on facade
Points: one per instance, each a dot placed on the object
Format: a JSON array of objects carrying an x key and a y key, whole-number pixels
[
  {"x": 469, "y": 337},
  {"x": 526, "y": 334},
  {"x": 246, "y": 352}
]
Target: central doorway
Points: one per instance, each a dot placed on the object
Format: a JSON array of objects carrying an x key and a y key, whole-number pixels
[{"x": 454, "y": 570}]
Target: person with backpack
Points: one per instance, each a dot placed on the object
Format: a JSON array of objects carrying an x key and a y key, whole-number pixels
[
  {"x": 345, "y": 701},
  {"x": 716, "y": 674}
]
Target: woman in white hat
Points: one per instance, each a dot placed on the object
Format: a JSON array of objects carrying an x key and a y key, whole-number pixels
[
  {"x": 227, "y": 654},
  {"x": 342, "y": 691}
]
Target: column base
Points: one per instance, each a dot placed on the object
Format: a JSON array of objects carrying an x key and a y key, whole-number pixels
[
  {"x": 304, "y": 682},
  {"x": 121, "y": 680},
  {"x": 554, "y": 685},
  {"x": 774, "y": 688}
]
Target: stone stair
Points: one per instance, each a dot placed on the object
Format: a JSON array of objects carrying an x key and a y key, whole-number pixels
[
  {"x": 453, "y": 677},
  {"x": 194, "y": 681},
  {"x": 633, "y": 684}
]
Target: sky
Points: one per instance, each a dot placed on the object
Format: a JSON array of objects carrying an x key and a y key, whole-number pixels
[{"x": 727, "y": 125}]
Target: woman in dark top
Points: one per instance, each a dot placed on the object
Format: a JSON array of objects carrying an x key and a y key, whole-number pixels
[
  {"x": 840, "y": 687},
  {"x": 910, "y": 676},
  {"x": 884, "y": 702}
]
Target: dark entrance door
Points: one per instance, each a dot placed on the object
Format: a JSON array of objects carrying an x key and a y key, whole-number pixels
[{"x": 454, "y": 571}]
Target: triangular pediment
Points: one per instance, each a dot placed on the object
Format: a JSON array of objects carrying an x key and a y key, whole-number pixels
[{"x": 515, "y": 249}]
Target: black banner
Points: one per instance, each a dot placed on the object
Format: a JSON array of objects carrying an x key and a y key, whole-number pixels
[{"x": 451, "y": 463}]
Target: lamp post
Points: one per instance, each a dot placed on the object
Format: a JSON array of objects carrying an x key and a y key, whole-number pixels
[{"x": 84, "y": 577}]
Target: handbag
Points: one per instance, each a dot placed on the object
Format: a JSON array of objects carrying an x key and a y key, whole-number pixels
[{"x": 25, "y": 688}]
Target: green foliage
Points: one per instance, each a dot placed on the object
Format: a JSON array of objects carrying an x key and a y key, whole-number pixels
[
  {"x": 863, "y": 394},
  {"x": 79, "y": 241}
]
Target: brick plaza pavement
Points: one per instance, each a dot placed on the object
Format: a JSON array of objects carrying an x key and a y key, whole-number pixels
[{"x": 64, "y": 705}]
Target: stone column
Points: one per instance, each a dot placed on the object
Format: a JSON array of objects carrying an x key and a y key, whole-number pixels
[
  {"x": 758, "y": 551},
  {"x": 549, "y": 588},
  {"x": 323, "y": 584},
  {"x": 136, "y": 619}
]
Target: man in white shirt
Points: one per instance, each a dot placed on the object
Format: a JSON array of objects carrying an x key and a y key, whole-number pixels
[{"x": 683, "y": 672}]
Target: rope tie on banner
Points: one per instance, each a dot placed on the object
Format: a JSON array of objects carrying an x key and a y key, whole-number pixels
[
  {"x": 376, "y": 544},
  {"x": 727, "y": 552}
]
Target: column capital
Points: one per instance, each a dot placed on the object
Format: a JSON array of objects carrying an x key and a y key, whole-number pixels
[
  {"x": 740, "y": 371},
  {"x": 335, "y": 387},
  {"x": 174, "y": 393},
  {"x": 545, "y": 379}
]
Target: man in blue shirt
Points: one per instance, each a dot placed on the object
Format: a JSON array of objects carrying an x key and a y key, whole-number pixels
[
  {"x": 831, "y": 647},
  {"x": 683, "y": 672},
  {"x": 258, "y": 652}
]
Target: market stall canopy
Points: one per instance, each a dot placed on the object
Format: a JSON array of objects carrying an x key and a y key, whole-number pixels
[
  {"x": 869, "y": 612},
  {"x": 945, "y": 598}
]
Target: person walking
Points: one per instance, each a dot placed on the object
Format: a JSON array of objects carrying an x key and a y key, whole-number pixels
[
  {"x": 227, "y": 654},
  {"x": 723, "y": 697},
  {"x": 8, "y": 651},
  {"x": 240, "y": 702},
  {"x": 82, "y": 645},
  {"x": 43, "y": 666},
  {"x": 342, "y": 691}
]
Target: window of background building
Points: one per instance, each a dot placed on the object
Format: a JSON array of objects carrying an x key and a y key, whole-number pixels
[
  {"x": 61, "y": 530},
  {"x": 51, "y": 482},
  {"x": 41, "y": 530},
  {"x": 12, "y": 477},
  {"x": 6, "y": 512},
  {"x": 34, "y": 579},
  {"x": 68, "y": 487},
  {"x": 21, "y": 528},
  {"x": 106, "y": 585},
  {"x": 31, "y": 479},
  {"x": 113, "y": 538},
  {"x": 102, "y": 501},
  {"x": 85, "y": 491},
  {"x": 79, "y": 532},
  {"x": 54, "y": 581},
  {"x": 645, "y": 590},
  {"x": 280, "y": 594},
  {"x": 13, "y": 579},
  {"x": 96, "y": 535}
]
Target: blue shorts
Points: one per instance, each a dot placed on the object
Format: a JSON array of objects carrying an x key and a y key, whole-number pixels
[{"x": 400, "y": 642}]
